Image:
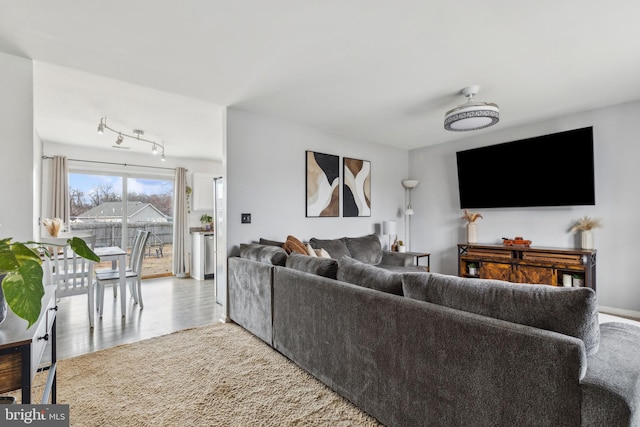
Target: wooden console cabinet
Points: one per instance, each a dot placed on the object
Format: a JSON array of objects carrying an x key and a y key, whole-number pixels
[
  {"x": 22, "y": 350},
  {"x": 521, "y": 264}
]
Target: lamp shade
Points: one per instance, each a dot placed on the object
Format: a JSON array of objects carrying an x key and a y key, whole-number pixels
[
  {"x": 389, "y": 228},
  {"x": 410, "y": 183}
]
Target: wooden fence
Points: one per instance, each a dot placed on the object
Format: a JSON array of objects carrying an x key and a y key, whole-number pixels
[{"x": 110, "y": 233}]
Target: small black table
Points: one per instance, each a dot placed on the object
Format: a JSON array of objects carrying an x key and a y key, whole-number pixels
[{"x": 418, "y": 255}]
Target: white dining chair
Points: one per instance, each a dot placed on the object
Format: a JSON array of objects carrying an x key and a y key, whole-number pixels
[
  {"x": 114, "y": 270},
  {"x": 110, "y": 277},
  {"x": 69, "y": 272}
]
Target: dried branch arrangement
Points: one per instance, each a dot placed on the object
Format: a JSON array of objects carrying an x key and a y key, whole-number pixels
[{"x": 471, "y": 216}]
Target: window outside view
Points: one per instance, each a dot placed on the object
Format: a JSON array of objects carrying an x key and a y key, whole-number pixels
[{"x": 97, "y": 207}]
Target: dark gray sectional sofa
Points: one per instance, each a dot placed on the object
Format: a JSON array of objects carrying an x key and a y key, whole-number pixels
[{"x": 425, "y": 349}]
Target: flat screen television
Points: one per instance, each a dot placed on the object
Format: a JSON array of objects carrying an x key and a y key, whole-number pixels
[{"x": 548, "y": 170}]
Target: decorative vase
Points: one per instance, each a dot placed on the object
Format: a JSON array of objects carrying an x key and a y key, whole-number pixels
[
  {"x": 472, "y": 232},
  {"x": 3, "y": 301},
  {"x": 587, "y": 239}
]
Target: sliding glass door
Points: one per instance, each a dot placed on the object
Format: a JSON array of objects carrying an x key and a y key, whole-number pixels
[{"x": 97, "y": 205}]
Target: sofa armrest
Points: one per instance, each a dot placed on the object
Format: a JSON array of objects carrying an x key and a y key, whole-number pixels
[
  {"x": 250, "y": 296},
  {"x": 400, "y": 259},
  {"x": 611, "y": 386}
]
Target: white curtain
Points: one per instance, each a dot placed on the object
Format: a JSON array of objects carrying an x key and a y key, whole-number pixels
[
  {"x": 180, "y": 252},
  {"x": 60, "y": 189}
]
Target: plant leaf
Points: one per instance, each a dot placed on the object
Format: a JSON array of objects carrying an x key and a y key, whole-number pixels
[
  {"x": 80, "y": 247},
  {"x": 8, "y": 260},
  {"x": 23, "y": 290},
  {"x": 24, "y": 253}
]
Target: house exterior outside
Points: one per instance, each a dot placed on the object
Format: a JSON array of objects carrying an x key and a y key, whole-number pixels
[{"x": 114, "y": 211}]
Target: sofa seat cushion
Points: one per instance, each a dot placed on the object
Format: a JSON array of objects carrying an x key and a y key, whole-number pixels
[
  {"x": 365, "y": 249},
  {"x": 569, "y": 311},
  {"x": 399, "y": 269},
  {"x": 325, "y": 267},
  {"x": 337, "y": 248},
  {"x": 361, "y": 274},
  {"x": 263, "y": 253}
]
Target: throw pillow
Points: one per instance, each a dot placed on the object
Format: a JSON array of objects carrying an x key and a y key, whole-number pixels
[
  {"x": 369, "y": 276},
  {"x": 325, "y": 267},
  {"x": 294, "y": 245},
  {"x": 310, "y": 251},
  {"x": 322, "y": 253},
  {"x": 569, "y": 311}
]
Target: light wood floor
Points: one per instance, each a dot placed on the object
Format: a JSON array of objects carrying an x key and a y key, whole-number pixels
[{"x": 170, "y": 304}]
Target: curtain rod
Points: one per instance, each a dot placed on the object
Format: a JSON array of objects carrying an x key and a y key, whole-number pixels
[{"x": 112, "y": 163}]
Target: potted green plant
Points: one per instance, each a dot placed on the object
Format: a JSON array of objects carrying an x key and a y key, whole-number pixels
[
  {"x": 401, "y": 247},
  {"x": 21, "y": 274},
  {"x": 473, "y": 268},
  {"x": 578, "y": 281},
  {"x": 206, "y": 220}
]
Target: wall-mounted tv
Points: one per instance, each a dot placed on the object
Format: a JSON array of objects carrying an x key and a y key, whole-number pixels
[{"x": 548, "y": 170}]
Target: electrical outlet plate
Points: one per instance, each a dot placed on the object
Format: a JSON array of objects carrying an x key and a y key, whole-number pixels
[{"x": 245, "y": 218}]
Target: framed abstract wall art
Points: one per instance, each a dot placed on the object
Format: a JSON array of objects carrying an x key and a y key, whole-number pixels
[
  {"x": 323, "y": 185},
  {"x": 356, "y": 191}
]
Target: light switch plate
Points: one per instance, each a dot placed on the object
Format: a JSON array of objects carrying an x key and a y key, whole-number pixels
[{"x": 245, "y": 218}]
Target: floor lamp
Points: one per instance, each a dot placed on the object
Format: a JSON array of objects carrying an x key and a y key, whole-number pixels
[{"x": 408, "y": 184}]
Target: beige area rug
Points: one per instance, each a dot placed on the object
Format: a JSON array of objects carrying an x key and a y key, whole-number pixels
[{"x": 217, "y": 375}]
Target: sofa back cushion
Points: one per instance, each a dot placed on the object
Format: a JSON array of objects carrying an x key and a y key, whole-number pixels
[
  {"x": 569, "y": 311},
  {"x": 337, "y": 248},
  {"x": 326, "y": 267},
  {"x": 269, "y": 242},
  {"x": 358, "y": 273},
  {"x": 263, "y": 253},
  {"x": 365, "y": 249}
]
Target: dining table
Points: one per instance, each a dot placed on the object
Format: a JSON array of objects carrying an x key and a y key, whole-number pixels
[{"x": 117, "y": 256}]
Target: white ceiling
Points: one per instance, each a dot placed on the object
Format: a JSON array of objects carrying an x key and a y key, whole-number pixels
[{"x": 382, "y": 71}]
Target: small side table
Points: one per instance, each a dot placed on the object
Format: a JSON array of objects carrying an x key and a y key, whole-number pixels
[{"x": 418, "y": 255}]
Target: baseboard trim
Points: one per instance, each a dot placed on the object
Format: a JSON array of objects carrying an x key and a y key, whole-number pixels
[{"x": 620, "y": 312}]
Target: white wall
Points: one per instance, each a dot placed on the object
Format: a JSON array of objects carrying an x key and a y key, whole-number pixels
[
  {"x": 266, "y": 177},
  {"x": 437, "y": 227},
  {"x": 17, "y": 176}
]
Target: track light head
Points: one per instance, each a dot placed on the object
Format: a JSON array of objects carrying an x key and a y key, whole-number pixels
[
  {"x": 101, "y": 126},
  {"x": 154, "y": 150},
  {"x": 120, "y": 139}
]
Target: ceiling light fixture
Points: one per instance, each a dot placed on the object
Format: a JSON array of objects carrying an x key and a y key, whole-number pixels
[
  {"x": 472, "y": 115},
  {"x": 137, "y": 135}
]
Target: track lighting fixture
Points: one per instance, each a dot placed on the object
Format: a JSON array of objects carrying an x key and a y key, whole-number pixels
[{"x": 137, "y": 135}]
